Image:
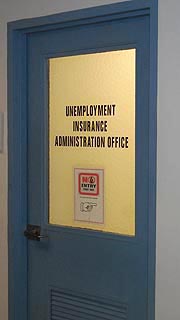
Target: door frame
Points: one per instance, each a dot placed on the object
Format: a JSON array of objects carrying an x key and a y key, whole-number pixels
[{"x": 17, "y": 137}]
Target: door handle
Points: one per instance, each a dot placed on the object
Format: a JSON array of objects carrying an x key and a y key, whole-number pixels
[{"x": 33, "y": 232}]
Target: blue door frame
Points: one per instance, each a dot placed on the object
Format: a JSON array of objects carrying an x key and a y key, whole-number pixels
[{"x": 17, "y": 137}]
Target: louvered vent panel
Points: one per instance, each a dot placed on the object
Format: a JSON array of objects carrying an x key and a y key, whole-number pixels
[{"x": 71, "y": 306}]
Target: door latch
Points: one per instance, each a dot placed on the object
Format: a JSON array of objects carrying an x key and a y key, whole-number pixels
[{"x": 34, "y": 233}]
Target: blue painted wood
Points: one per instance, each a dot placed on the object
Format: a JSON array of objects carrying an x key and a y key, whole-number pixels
[
  {"x": 104, "y": 266},
  {"x": 152, "y": 158},
  {"x": 82, "y": 14},
  {"x": 17, "y": 36},
  {"x": 17, "y": 175}
]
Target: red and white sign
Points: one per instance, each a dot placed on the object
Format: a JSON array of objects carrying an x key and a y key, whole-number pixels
[
  {"x": 89, "y": 184},
  {"x": 89, "y": 195}
]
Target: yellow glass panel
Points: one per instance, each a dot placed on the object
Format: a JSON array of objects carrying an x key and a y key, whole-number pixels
[{"x": 92, "y": 140}]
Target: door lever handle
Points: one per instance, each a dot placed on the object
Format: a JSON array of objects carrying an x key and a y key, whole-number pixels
[
  {"x": 34, "y": 233},
  {"x": 42, "y": 236}
]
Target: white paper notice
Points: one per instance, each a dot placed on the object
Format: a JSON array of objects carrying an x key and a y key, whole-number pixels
[{"x": 89, "y": 195}]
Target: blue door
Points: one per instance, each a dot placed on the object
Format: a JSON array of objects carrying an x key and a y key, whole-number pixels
[{"x": 88, "y": 171}]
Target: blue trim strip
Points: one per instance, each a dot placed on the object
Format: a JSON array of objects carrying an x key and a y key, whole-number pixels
[
  {"x": 152, "y": 158},
  {"x": 17, "y": 182},
  {"x": 82, "y": 14},
  {"x": 17, "y": 137}
]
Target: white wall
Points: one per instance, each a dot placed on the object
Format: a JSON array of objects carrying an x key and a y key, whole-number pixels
[
  {"x": 168, "y": 193},
  {"x": 168, "y": 215}
]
